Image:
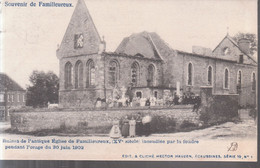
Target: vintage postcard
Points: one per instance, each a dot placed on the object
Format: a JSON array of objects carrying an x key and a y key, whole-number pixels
[{"x": 129, "y": 80}]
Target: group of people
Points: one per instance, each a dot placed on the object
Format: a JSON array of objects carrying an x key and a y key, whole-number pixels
[
  {"x": 184, "y": 99},
  {"x": 138, "y": 126},
  {"x": 189, "y": 98}
]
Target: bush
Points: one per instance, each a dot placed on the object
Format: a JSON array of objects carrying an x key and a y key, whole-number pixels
[
  {"x": 212, "y": 119},
  {"x": 204, "y": 117},
  {"x": 253, "y": 113},
  {"x": 186, "y": 124},
  {"x": 208, "y": 117},
  {"x": 163, "y": 124},
  {"x": 250, "y": 106}
]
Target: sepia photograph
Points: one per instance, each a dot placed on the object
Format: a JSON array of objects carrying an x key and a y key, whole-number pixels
[{"x": 129, "y": 80}]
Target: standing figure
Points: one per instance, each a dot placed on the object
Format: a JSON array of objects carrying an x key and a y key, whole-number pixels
[
  {"x": 139, "y": 125},
  {"x": 127, "y": 102},
  {"x": 132, "y": 124},
  {"x": 153, "y": 100},
  {"x": 147, "y": 102},
  {"x": 147, "y": 125},
  {"x": 131, "y": 102},
  {"x": 115, "y": 131},
  {"x": 98, "y": 102},
  {"x": 176, "y": 99},
  {"x": 125, "y": 127}
]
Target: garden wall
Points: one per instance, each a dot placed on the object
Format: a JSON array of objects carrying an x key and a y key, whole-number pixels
[{"x": 37, "y": 121}]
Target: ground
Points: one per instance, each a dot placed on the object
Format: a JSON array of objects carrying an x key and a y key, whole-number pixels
[{"x": 229, "y": 130}]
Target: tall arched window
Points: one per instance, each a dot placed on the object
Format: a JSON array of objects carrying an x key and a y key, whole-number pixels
[
  {"x": 253, "y": 80},
  {"x": 78, "y": 75},
  {"x": 239, "y": 81},
  {"x": 150, "y": 78},
  {"x": 113, "y": 73},
  {"x": 91, "y": 73},
  {"x": 226, "y": 79},
  {"x": 190, "y": 73},
  {"x": 67, "y": 75},
  {"x": 210, "y": 75},
  {"x": 135, "y": 73}
]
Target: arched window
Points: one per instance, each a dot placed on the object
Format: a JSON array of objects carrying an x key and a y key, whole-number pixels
[
  {"x": 67, "y": 75},
  {"x": 190, "y": 73},
  {"x": 226, "y": 79},
  {"x": 78, "y": 75},
  {"x": 91, "y": 73},
  {"x": 150, "y": 78},
  {"x": 253, "y": 80},
  {"x": 210, "y": 75},
  {"x": 239, "y": 81},
  {"x": 135, "y": 73},
  {"x": 113, "y": 73}
]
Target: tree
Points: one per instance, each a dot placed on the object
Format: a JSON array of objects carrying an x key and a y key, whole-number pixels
[
  {"x": 251, "y": 37},
  {"x": 44, "y": 89}
]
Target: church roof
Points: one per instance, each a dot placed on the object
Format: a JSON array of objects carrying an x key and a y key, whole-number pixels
[
  {"x": 208, "y": 57},
  {"x": 142, "y": 44},
  {"x": 236, "y": 45},
  {"x": 150, "y": 45},
  {"x": 7, "y": 83}
]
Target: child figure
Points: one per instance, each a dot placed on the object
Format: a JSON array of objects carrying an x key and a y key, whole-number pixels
[
  {"x": 132, "y": 124},
  {"x": 115, "y": 131}
]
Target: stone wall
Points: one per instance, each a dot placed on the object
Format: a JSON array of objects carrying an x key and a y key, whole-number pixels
[
  {"x": 247, "y": 96},
  {"x": 37, "y": 121},
  {"x": 99, "y": 70},
  {"x": 125, "y": 63},
  {"x": 200, "y": 69},
  {"x": 86, "y": 96},
  {"x": 179, "y": 73}
]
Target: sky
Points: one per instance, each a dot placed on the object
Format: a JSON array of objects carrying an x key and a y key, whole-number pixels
[{"x": 30, "y": 35}]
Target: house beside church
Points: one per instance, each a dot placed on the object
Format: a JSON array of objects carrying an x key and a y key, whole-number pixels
[
  {"x": 12, "y": 95},
  {"x": 145, "y": 66}
]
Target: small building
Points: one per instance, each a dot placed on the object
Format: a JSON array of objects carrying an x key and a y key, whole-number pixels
[
  {"x": 145, "y": 66},
  {"x": 12, "y": 95}
]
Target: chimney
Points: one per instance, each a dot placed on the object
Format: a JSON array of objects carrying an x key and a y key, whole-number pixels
[{"x": 244, "y": 45}]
